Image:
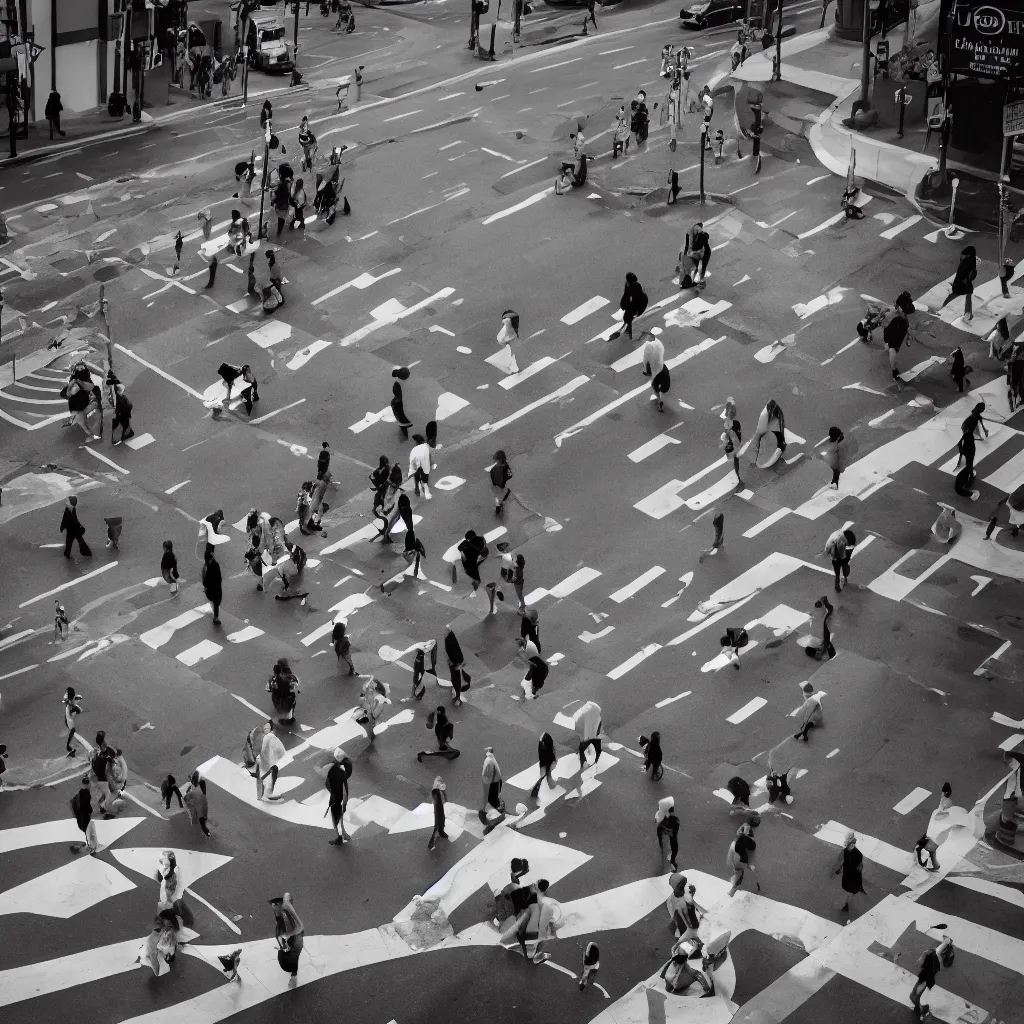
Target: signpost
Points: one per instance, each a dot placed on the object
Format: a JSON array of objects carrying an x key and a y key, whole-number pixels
[{"x": 1013, "y": 124}]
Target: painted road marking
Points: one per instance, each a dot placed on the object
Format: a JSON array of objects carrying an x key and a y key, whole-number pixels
[
  {"x": 671, "y": 700},
  {"x": 650, "y": 447},
  {"x": 67, "y": 586},
  {"x": 109, "y": 462},
  {"x": 549, "y": 67},
  {"x": 621, "y": 49},
  {"x": 284, "y": 408},
  {"x": 494, "y": 152},
  {"x": 747, "y": 710},
  {"x": 562, "y": 392},
  {"x": 619, "y": 67},
  {"x": 576, "y": 581},
  {"x": 398, "y": 117},
  {"x": 861, "y": 201},
  {"x": 361, "y": 282},
  {"x": 529, "y": 201},
  {"x": 202, "y": 650},
  {"x": 584, "y": 310},
  {"x": 161, "y": 373},
  {"x": 902, "y": 226},
  {"x": 628, "y": 591},
  {"x": 532, "y": 163},
  {"x": 517, "y": 378},
  {"x": 911, "y": 800},
  {"x": 159, "y": 635},
  {"x": 767, "y": 522},
  {"x": 631, "y": 663}
]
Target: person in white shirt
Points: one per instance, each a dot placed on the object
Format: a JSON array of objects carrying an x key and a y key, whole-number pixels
[{"x": 419, "y": 465}]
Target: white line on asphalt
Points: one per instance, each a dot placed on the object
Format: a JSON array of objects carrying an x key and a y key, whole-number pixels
[
  {"x": 494, "y": 152},
  {"x": 549, "y": 67},
  {"x": 565, "y": 389},
  {"x": 604, "y": 53},
  {"x": 619, "y": 67},
  {"x": 406, "y": 216},
  {"x": 360, "y": 282},
  {"x": 821, "y": 177},
  {"x": 747, "y": 710},
  {"x": 503, "y": 96},
  {"x": 630, "y": 663},
  {"x": 584, "y": 310},
  {"x": 532, "y": 163},
  {"x": 908, "y": 223},
  {"x": 177, "y": 487},
  {"x": 109, "y": 462},
  {"x": 911, "y": 800},
  {"x": 630, "y": 589},
  {"x": 768, "y": 521},
  {"x": 529, "y": 201},
  {"x": 161, "y": 373},
  {"x": 67, "y": 586},
  {"x": 781, "y": 219},
  {"x": 517, "y": 378},
  {"x": 19, "y": 671},
  {"x": 441, "y": 149},
  {"x": 543, "y": 88},
  {"x": 284, "y": 408},
  {"x": 862, "y": 200},
  {"x": 450, "y": 96},
  {"x": 398, "y": 117},
  {"x": 451, "y": 120},
  {"x": 671, "y": 700}
]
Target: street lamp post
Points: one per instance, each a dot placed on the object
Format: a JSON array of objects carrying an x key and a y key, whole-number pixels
[
  {"x": 260, "y": 230},
  {"x": 865, "y": 58},
  {"x": 703, "y": 146}
]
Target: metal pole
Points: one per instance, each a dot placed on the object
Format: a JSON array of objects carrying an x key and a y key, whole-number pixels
[
  {"x": 900, "y": 94},
  {"x": 865, "y": 59},
  {"x": 12, "y": 109},
  {"x": 1003, "y": 179},
  {"x": 296, "y": 35},
  {"x": 265, "y": 178},
  {"x": 778, "y": 43},
  {"x": 245, "y": 59},
  {"x": 703, "y": 143}
]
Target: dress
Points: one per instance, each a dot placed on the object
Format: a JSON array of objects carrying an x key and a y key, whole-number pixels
[{"x": 853, "y": 870}]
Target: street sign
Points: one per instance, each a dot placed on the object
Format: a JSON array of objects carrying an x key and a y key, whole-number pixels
[{"x": 1013, "y": 118}]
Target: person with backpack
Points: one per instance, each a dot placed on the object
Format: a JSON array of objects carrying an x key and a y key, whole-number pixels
[
  {"x": 419, "y": 466},
  {"x": 536, "y": 675},
  {"x": 443, "y": 729},
  {"x": 696, "y": 249},
  {"x": 827, "y": 649},
  {"x": 337, "y": 785},
  {"x": 651, "y": 746},
  {"x": 99, "y": 767},
  {"x": 500, "y": 473},
  {"x": 808, "y": 715},
  {"x": 456, "y": 660},
  {"x": 839, "y": 548},
  {"x": 52, "y": 112},
  {"x": 633, "y": 303},
  {"x": 282, "y": 203},
  {"x": 738, "y": 857}
]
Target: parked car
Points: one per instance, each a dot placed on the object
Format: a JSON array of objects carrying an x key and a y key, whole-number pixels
[{"x": 712, "y": 12}]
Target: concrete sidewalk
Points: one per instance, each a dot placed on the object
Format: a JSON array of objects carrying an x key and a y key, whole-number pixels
[{"x": 832, "y": 141}]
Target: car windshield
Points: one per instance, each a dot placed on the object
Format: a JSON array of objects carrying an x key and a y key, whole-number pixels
[{"x": 268, "y": 35}]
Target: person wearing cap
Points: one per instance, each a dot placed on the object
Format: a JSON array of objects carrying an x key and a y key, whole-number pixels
[
  {"x": 809, "y": 715},
  {"x": 337, "y": 785},
  {"x": 850, "y": 863},
  {"x": 289, "y": 931}
]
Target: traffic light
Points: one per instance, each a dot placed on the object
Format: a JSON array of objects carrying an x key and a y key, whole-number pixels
[{"x": 481, "y": 6}]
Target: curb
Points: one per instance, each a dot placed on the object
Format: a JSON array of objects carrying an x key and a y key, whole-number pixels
[{"x": 147, "y": 125}]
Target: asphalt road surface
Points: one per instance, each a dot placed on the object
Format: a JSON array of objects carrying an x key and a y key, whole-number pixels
[{"x": 454, "y": 220}]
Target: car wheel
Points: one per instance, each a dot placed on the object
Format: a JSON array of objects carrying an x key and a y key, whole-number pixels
[{"x": 702, "y": 24}]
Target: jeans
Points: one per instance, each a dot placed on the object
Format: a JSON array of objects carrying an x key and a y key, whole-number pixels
[
  {"x": 842, "y": 566},
  {"x": 596, "y": 744}
]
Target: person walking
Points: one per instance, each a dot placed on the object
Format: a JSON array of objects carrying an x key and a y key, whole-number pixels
[
  {"x": 472, "y": 550},
  {"x": 826, "y": 649},
  {"x": 122, "y": 406},
  {"x": 271, "y": 754},
  {"x": 731, "y": 446},
  {"x": 443, "y": 732},
  {"x": 72, "y": 709},
  {"x": 419, "y": 466},
  {"x": 342, "y": 646},
  {"x": 276, "y": 276},
  {"x": 836, "y": 548},
  {"x": 491, "y": 778},
  {"x": 591, "y": 964},
  {"x": 738, "y": 857},
  {"x": 195, "y": 802},
  {"x": 667, "y": 826},
  {"x": 620, "y": 133},
  {"x": 651, "y": 746},
  {"x": 179, "y": 244},
  {"x": 734, "y": 640},
  {"x": 587, "y": 723},
  {"x": 536, "y": 675},
  {"x": 696, "y": 248},
  {"x": 73, "y": 530},
  {"x": 809, "y": 715},
  {"x": 932, "y": 961},
  {"x": 833, "y": 455},
  {"x": 963, "y": 280},
  {"x": 212, "y": 584},
  {"x": 52, "y": 112},
  {"x": 337, "y": 785},
  {"x": 772, "y": 419},
  {"x": 169, "y": 567},
  {"x": 529, "y": 627},
  {"x": 298, "y": 204},
  {"x": 927, "y": 847},
  {"x": 850, "y": 864},
  {"x": 81, "y": 807},
  {"x": 655, "y": 368},
  {"x": 289, "y": 932},
  {"x": 459, "y": 677},
  {"x": 967, "y": 449},
  {"x": 546, "y": 761},
  {"x": 398, "y": 409},
  {"x": 168, "y": 789},
  {"x": 500, "y": 473},
  {"x": 633, "y": 303},
  {"x": 438, "y": 798},
  {"x": 718, "y": 522}
]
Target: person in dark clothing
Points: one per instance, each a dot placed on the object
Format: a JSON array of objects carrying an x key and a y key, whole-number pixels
[
  {"x": 342, "y": 647},
  {"x": 651, "y": 746},
  {"x": 122, "y": 406},
  {"x": 967, "y": 449},
  {"x": 250, "y": 390},
  {"x": 413, "y": 550},
  {"x": 632, "y": 304},
  {"x": 740, "y": 789},
  {"x": 212, "y": 584},
  {"x": 668, "y": 827},
  {"x": 443, "y": 732},
  {"x": 473, "y": 550},
  {"x": 337, "y": 785},
  {"x": 546, "y": 760},
  {"x": 931, "y": 963},
  {"x": 963, "y": 280},
  {"x": 168, "y": 789},
  {"x": 529, "y": 628},
  {"x": 73, "y": 530},
  {"x": 81, "y": 807},
  {"x": 734, "y": 641},
  {"x": 959, "y": 370},
  {"x": 214, "y": 520},
  {"x": 438, "y": 797},
  {"x": 851, "y": 864},
  {"x": 169, "y": 566},
  {"x": 323, "y": 460},
  {"x": 536, "y": 674},
  {"x": 590, "y": 12},
  {"x": 52, "y": 113},
  {"x": 453, "y": 652},
  {"x": 398, "y": 408},
  {"x": 826, "y": 649}
]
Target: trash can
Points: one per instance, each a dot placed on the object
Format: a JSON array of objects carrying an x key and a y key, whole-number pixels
[{"x": 850, "y": 19}]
